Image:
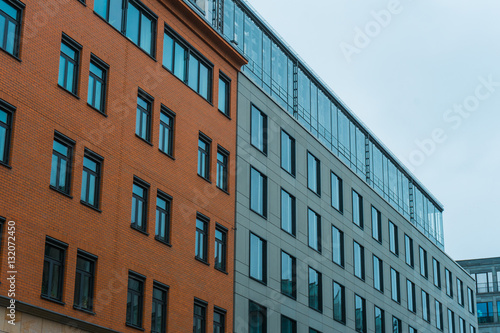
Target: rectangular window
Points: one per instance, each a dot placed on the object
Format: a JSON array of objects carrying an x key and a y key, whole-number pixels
[
  {"x": 451, "y": 321},
  {"x": 53, "y": 269},
  {"x": 411, "y": 330},
  {"x": 91, "y": 178},
  {"x": 436, "y": 268},
  {"x": 287, "y": 153},
  {"x": 98, "y": 75},
  {"x": 166, "y": 134},
  {"x": 360, "y": 314},
  {"x": 449, "y": 282},
  {"x": 409, "y": 251},
  {"x": 395, "y": 286},
  {"x": 378, "y": 274},
  {"x": 287, "y": 212},
  {"x": 224, "y": 94},
  {"x": 376, "y": 225},
  {"x": 204, "y": 143},
  {"x": 410, "y": 292},
  {"x": 313, "y": 174},
  {"x": 288, "y": 275},
  {"x": 62, "y": 157},
  {"x": 143, "y": 116},
  {"x": 288, "y": 325},
  {"x": 439, "y": 315},
  {"x": 6, "y": 115},
  {"x": 69, "y": 62},
  {"x": 163, "y": 209},
  {"x": 337, "y": 194},
  {"x": 338, "y": 246},
  {"x": 220, "y": 248},
  {"x": 424, "y": 271},
  {"x": 200, "y": 317},
  {"x": 219, "y": 321},
  {"x": 470, "y": 297},
  {"x": 222, "y": 168},
  {"x": 84, "y": 281},
  {"x": 312, "y": 330},
  {"x": 257, "y": 322},
  {"x": 132, "y": 19},
  {"x": 258, "y": 129},
  {"x": 11, "y": 12},
  {"x": 357, "y": 209},
  {"x": 359, "y": 261},
  {"x": 461, "y": 324},
  {"x": 484, "y": 282},
  {"x": 314, "y": 229},
  {"x": 379, "y": 320},
  {"x": 460, "y": 292},
  {"x": 338, "y": 302},
  {"x": 258, "y": 258},
  {"x": 315, "y": 290},
  {"x": 159, "y": 308},
  {"x": 485, "y": 312},
  {"x": 258, "y": 192},
  {"x": 472, "y": 329},
  {"x": 393, "y": 238},
  {"x": 135, "y": 297},
  {"x": 396, "y": 325},
  {"x": 140, "y": 191},
  {"x": 426, "y": 310},
  {"x": 201, "y": 246}
]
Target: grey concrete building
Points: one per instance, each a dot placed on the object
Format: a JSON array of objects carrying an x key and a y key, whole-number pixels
[{"x": 487, "y": 275}]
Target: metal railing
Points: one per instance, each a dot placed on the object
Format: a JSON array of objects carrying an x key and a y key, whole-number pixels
[
  {"x": 488, "y": 318},
  {"x": 487, "y": 287}
]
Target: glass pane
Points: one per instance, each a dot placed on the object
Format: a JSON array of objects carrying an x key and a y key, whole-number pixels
[
  {"x": 146, "y": 34},
  {"x": 115, "y": 13},
  {"x": 286, "y": 211},
  {"x": 53, "y": 171},
  {"x": 96, "y": 71},
  {"x": 68, "y": 51},
  {"x": 70, "y": 77},
  {"x": 133, "y": 23},
  {"x": 180, "y": 62},
  {"x": 223, "y": 96},
  {"x": 193, "y": 72},
  {"x": 256, "y": 258},
  {"x": 3, "y": 141},
  {"x": 8, "y": 9},
  {"x": 204, "y": 81},
  {"x": 62, "y": 69},
  {"x": 90, "y": 97},
  {"x": 11, "y": 37},
  {"x": 98, "y": 95},
  {"x": 62, "y": 175},
  {"x": 84, "y": 185},
  {"x": 168, "y": 52},
  {"x": 257, "y": 189},
  {"x": 101, "y": 7}
]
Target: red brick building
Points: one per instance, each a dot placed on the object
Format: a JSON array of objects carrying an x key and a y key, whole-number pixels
[{"x": 117, "y": 147}]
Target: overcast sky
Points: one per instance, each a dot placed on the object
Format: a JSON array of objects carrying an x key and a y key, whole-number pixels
[{"x": 424, "y": 76}]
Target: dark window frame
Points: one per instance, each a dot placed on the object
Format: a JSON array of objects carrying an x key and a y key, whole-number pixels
[
  {"x": 360, "y": 212},
  {"x": 412, "y": 306},
  {"x": 99, "y": 160},
  {"x": 380, "y": 274},
  {"x": 148, "y": 113},
  {"x": 162, "y": 303},
  {"x": 409, "y": 255},
  {"x": 292, "y": 322},
  {"x": 396, "y": 322},
  {"x": 61, "y": 246},
  {"x": 395, "y": 237},
  {"x": 378, "y": 235},
  {"x": 105, "y": 69},
  {"x": 436, "y": 272},
  {"x": 439, "y": 316},
  {"x": 145, "y": 205},
  {"x": 264, "y": 259},
  {"x": 141, "y": 279},
  {"x": 221, "y": 264},
  {"x": 318, "y": 174},
  {"x": 362, "y": 260},
  {"x": 448, "y": 279},
  {"x": 167, "y": 213},
  {"x": 77, "y": 48},
  {"x": 293, "y": 213},
  {"x": 201, "y": 253},
  {"x": 264, "y": 193},
  {"x": 261, "y": 311},
  {"x": 167, "y": 132},
  {"x": 341, "y": 287},
  {"x": 204, "y": 156},
  {"x": 227, "y": 94},
  {"x": 18, "y": 25},
  {"x": 426, "y": 309},
  {"x": 340, "y": 193},
  {"x": 317, "y": 246},
  {"x": 70, "y": 145},
  {"x": 220, "y": 326},
  {"x": 265, "y": 125},
  {"x": 293, "y": 294},
  {"x": 9, "y": 111},
  {"x": 319, "y": 276},
  {"x": 395, "y": 286},
  {"x": 293, "y": 154},
  {"x": 341, "y": 247},
  {"x": 91, "y": 277},
  {"x": 363, "y": 327},
  {"x": 223, "y": 168},
  {"x": 460, "y": 292},
  {"x": 382, "y": 319},
  {"x": 424, "y": 265},
  {"x": 202, "y": 305}
]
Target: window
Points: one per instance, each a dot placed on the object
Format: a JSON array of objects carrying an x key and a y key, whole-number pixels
[
  {"x": 449, "y": 282},
  {"x": 360, "y": 313},
  {"x": 257, "y": 322},
  {"x": 143, "y": 116},
  {"x": 411, "y": 330},
  {"x": 163, "y": 208},
  {"x": 258, "y": 129},
  {"x": 423, "y": 263},
  {"x": 359, "y": 261},
  {"x": 378, "y": 274},
  {"x": 436, "y": 268},
  {"x": 222, "y": 168},
  {"x": 159, "y": 308},
  {"x": 439, "y": 315},
  {"x": 53, "y": 269},
  {"x": 315, "y": 290},
  {"x": 135, "y": 298},
  {"x": 60, "y": 175},
  {"x": 376, "y": 225},
  {"x": 470, "y": 297},
  {"x": 338, "y": 246},
  {"x": 357, "y": 209},
  {"x": 409, "y": 251},
  {"x": 132, "y": 19},
  {"x": 98, "y": 74},
  {"x": 485, "y": 313},
  {"x": 460, "y": 292},
  {"x": 69, "y": 61},
  {"x": 396, "y": 325},
  {"x": 84, "y": 281},
  {"x": 461, "y": 324},
  {"x": 258, "y": 192},
  {"x": 337, "y": 194},
  {"x": 410, "y": 290},
  {"x": 204, "y": 156},
  {"x": 287, "y": 153},
  {"x": 287, "y": 212},
  {"x": 288, "y": 275},
  {"x": 472, "y": 329},
  {"x": 140, "y": 191},
  {"x": 393, "y": 238},
  {"x": 91, "y": 178},
  {"x": 166, "y": 143},
  {"x": 314, "y": 229},
  {"x": 379, "y": 320},
  {"x": 220, "y": 248},
  {"x": 426, "y": 310},
  {"x": 338, "y": 302},
  {"x": 199, "y": 317},
  {"x": 313, "y": 174},
  {"x": 11, "y": 12},
  {"x": 219, "y": 321},
  {"x": 6, "y": 115},
  {"x": 395, "y": 286},
  {"x": 451, "y": 321},
  {"x": 288, "y": 325},
  {"x": 201, "y": 245},
  {"x": 484, "y": 282},
  {"x": 224, "y": 94},
  {"x": 312, "y": 330},
  {"x": 258, "y": 258}
]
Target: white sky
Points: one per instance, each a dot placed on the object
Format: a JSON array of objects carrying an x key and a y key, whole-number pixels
[{"x": 403, "y": 82}]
